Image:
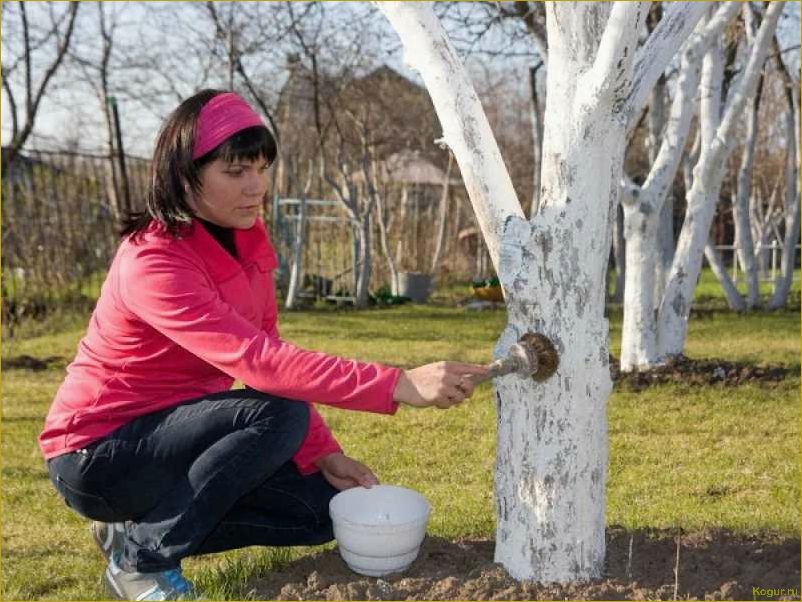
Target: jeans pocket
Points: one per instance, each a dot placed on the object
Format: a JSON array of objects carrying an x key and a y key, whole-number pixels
[{"x": 86, "y": 504}]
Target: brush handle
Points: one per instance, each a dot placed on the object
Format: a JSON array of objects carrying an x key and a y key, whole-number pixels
[
  {"x": 497, "y": 368},
  {"x": 518, "y": 360}
]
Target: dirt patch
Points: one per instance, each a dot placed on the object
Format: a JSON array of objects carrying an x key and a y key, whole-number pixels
[
  {"x": 640, "y": 566},
  {"x": 699, "y": 372}
]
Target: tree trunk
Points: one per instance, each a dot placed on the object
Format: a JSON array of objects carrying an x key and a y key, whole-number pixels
[
  {"x": 296, "y": 270},
  {"x": 402, "y": 229},
  {"x": 381, "y": 217},
  {"x": 740, "y": 208},
  {"x": 642, "y": 208},
  {"x": 782, "y": 285},
  {"x": 549, "y": 486},
  {"x": 734, "y": 299},
  {"x": 552, "y": 438},
  {"x": 442, "y": 215},
  {"x": 363, "y": 263},
  {"x": 665, "y": 230}
]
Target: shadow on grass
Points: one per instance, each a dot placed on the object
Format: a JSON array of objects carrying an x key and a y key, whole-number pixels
[
  {"x": 715, "y": 565},
  {"x": 37, "y": 364}
]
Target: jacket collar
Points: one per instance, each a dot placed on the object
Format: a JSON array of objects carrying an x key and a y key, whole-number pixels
[{"x": 253, "y": 247}]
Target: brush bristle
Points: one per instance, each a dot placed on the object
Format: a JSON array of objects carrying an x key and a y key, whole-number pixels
[{"x": 547, "y": 358}]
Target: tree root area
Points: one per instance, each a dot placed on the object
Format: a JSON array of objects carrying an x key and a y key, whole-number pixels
[
  {"x": 699, "y": 372},
  {"x": 640, "y": 565}
]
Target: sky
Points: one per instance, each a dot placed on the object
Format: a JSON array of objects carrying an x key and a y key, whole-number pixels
[{"x": 70, "y": 112}]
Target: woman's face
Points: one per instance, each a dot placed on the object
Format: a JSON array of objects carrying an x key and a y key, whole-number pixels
[{"x": 231, "y": 193}]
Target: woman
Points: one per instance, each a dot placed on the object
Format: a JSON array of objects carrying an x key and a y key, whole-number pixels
[{"x": 145, "y": 436}]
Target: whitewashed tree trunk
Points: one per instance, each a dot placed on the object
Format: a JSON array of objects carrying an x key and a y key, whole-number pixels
[
  {"x": 643, "y": 205},
  {"x": 402, "y": 221},
  {"x": 639, "y": 331},
  {"x": 782, "y": 285},
  {"x": 388, "y": 255},
  {"x": 380, "y": 193},
  {"x": 364, "y": 260},
  {"x": 552, "y": 449},
  {"x": 656, "y": 121},
  {"x": 296, "y": 269},
  {"x": 735, "y": 300},
  {"x": 740, "y": 208},
  {"x": 552, "y": 440},
  {"x": 442, "y": 217},
  {"x": 708, "y": 173},
  {"x": 299, "y": 245}
]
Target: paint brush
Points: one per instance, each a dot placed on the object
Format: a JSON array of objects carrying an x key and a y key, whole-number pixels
[{"x": 533, "y": 355}]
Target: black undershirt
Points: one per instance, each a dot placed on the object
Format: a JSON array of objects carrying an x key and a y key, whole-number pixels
[{"x": 225, "y": 236}]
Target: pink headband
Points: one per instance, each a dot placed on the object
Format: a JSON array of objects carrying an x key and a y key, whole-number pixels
[{"x": 219, "y": 119}]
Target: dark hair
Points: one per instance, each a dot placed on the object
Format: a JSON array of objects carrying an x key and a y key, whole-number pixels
[{"x": 172, "y": 166}]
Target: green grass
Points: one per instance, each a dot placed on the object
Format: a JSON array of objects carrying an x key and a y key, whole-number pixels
[
  {"x": 708, "y": 286},
  {"x": 695, "y": 457}
]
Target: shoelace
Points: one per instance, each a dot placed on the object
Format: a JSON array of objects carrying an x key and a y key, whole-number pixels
[{"x": 177, "y": 581}]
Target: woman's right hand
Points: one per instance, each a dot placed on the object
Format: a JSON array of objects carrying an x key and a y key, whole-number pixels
[{"x": 441, "y": 384}]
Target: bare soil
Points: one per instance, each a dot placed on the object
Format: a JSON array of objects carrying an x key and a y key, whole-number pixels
[
  {"x": 699, "y": 372},
  {"x": 640, "y": 566}
]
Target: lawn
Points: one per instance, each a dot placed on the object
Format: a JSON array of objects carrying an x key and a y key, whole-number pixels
[{"x": 682, "y": 456}]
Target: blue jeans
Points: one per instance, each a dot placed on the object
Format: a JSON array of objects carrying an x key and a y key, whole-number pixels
[{"x": 211, "y": 474}]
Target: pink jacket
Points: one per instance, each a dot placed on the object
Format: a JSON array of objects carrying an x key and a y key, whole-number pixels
[{"x": 181, "y": 318}]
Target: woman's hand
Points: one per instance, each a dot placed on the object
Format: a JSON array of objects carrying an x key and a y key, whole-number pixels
[
  {"x": 343, "y": 472},
  {"x": 442, "y": 384}
]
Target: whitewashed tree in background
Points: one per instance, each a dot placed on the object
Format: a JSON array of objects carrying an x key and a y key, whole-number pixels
[
  {"x": 740, "y": 207},
  {"x": 552, "y": 439},
  {"x": 717, "y": 143},
  {"x": 791, "y": 197},
  {"x": 643, "y": 205},
  {"x": 650, "y": 336}
]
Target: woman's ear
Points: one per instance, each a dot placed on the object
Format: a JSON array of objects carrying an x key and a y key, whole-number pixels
[{"x": 190, "y": 197}]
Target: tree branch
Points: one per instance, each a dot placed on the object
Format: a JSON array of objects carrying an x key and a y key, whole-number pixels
[
  {"x": 465, "y": 127},
  {"x": 32, "y": 100},
  {"x": 746, "y": 87},
  {"x": 652, "y": 59},
  {"x": 26, "y": 36},
  {"x": 13, "y": 106},
  {"x": 534, "y": 16}
]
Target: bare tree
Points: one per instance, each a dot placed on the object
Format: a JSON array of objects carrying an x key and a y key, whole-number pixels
[
  {"x": 358, "y": 202},
  {"x": 46, "y": 47},
  {"x": 442, "y": 216}
]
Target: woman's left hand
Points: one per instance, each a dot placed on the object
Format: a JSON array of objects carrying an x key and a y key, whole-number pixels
[{"x": 344, "y": 472}]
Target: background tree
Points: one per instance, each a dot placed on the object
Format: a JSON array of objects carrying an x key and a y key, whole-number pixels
[
  {"x": 717, "y": 128},
  {"x": 33, "y": 51},
  {"x": 643, "y": 214}
]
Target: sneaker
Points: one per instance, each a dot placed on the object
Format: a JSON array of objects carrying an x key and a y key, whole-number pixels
[
  {"x": 109, "y": 537},
  {"x": 164, "y": 585}
]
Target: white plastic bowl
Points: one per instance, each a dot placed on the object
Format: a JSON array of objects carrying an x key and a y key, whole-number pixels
[{"x": 379, "y": 530}]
